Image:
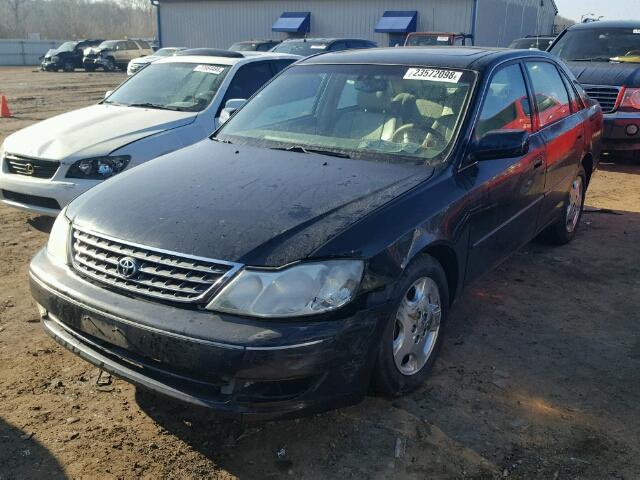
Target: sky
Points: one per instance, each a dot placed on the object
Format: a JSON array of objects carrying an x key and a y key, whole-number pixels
[{"x": 611, "y": 9}]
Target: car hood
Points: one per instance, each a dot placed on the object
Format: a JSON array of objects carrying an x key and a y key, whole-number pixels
[
  {"x": 92, "y": 131},
  {"x": 243, "y": 204},
  {"x": 602, "y": 73}
]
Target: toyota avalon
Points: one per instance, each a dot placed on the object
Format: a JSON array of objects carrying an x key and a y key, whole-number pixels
[{"x": 310, "y": 250}]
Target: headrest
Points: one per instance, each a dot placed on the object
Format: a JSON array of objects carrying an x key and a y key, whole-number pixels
[{"x": 374, "y": 101}]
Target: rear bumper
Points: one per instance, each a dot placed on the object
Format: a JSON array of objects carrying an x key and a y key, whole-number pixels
[
  {"x": 237, "y": 366},
  {"x": 615, "y": 136}
]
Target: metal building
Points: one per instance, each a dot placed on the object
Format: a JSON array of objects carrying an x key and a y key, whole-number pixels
[{"x": 219, "y": 23}]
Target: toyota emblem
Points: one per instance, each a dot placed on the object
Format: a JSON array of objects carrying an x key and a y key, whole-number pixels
[
  {"x": 28, "y": 169},
  {"x": 128, "y": 267}
]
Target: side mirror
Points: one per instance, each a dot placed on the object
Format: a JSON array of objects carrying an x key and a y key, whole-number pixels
[
  {"x": 498, "y": 144},
  {"x": 107, "y": 93},
  {"x": 230, "y": 107}
]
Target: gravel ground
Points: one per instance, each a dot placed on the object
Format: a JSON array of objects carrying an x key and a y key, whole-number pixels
[{"x": 538, "y": 376}]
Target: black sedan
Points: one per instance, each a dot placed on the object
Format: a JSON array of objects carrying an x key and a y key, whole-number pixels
[{"x": 312, "y": 247}]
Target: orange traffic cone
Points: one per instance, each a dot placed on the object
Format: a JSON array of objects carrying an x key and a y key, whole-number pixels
[{"x": 4, "y": 108}]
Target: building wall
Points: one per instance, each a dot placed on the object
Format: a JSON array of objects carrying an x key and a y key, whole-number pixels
[
  {"x": 501, "y": 21},
  {"x": 25, "y": 52},
  {"x": 219, "y": 23}
]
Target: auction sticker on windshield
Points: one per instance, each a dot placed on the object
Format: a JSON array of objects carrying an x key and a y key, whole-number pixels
[
  {"x": 433, "y": 75},
  {"x": 214, "y": 69}
]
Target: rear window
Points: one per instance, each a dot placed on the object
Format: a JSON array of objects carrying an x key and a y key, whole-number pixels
[{"x": 301, "y": 48}]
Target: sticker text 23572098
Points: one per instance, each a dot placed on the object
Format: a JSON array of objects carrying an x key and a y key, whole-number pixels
[{"x": 433, "y": 75}]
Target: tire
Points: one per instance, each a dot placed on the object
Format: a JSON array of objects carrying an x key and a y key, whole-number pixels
[
  {"x": 89, "y": 68},
  {"x": 110, "y": 66},
  {"x": 399, "y": 373},
  {"x": 68, "y": 67},
  {"x": 564, "y": 230}
]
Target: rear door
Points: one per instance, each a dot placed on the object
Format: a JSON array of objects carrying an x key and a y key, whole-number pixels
[
  {"x": 515, "y": 186},
  {"x": 562, "y": 129}
]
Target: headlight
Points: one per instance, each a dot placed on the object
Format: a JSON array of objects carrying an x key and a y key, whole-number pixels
[
  {"x": 304, "y": 289},
  {"x": 58, "y": 243},
  {"x": 98, "y": 168}
]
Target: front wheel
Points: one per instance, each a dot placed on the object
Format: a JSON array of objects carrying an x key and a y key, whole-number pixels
[
  {"x": 67, "y": 66},
  {"x": 412, "y": 337},
  {"x": 564, "y": 230},
  {"x": 109, "y": 65}
]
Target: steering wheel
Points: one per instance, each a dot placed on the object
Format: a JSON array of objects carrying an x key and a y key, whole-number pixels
[{"x": 419, "y": 131}]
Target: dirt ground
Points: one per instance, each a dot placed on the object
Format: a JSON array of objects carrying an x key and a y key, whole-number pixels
[{"x": 538, "y": 377}]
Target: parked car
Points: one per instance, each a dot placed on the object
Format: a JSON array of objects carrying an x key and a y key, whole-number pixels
[
  {"x": 254, "y": 45},
  {"x": 114, "y": 54},
  {"x": 311, "y": 46},
  {"x": 311, "y": 248},
  {"x": 172, "y": 103},
  {"x": 432, "y": 39},
  {"x": 535, "y": 42},
  {"x": 605, "y": 58},
  {"x": 141, "y": 62},
  {"x": 67, "y": 56}
]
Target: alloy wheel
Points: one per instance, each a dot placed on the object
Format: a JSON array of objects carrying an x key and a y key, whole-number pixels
[
  {"x": 575, "y": 204},
  {"x": 417, "y": 326}
]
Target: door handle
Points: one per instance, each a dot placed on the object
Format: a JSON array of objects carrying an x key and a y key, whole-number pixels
[{"x": 538, "y": 163}]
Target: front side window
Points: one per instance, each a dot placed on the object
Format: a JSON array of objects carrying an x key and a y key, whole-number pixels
[
  {"x": 599, "y": 45},
  {"x": 506, "y": 106},
  {"x": 550, "y": 92},
  {"x": 188, "y": 87},
  {"x": 248, "y": 80},
  {"x": 398, "y": 114}
]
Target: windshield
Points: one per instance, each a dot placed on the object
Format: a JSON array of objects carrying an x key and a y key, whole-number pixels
[
  {"x": 67, "y": 47},
  {"x": 165, "y": 52},
  {"x": 188, "y": 87},
  {"x": 301, "y": 48},
  {"x": 396, "y": 114},
  {"x": 109, "y": 44},
  {"x": 529, "y": 43},
  {"x": 428, "y": 40},
  {"x": 599, "y": 45},
  {"x": 243, "y": 47}
]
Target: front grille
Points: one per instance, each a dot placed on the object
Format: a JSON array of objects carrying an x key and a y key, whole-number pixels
[
  {"x": 31, "y": 167},
  {"x": 160, "y": 274},
  {"x": 605, "y": 95},
  {"x": 32, "y": 200}
]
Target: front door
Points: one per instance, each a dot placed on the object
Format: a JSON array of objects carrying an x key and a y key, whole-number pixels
[{"x": 515, "y": 186}]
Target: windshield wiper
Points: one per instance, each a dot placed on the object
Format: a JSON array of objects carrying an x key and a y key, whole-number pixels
[
  {"x": 221, "y": 140},
  {"x": 156, "y": 106},
  {"x": 319, "y": 151}
]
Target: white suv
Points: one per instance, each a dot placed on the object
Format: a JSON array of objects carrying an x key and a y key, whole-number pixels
[{"x": 168, "y": 105}]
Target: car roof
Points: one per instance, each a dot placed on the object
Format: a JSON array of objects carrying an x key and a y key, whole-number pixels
[
  {"x": 472, "y": 58},
  {"x": 257, "y": 41},
  {"x": 601, "y": 24},
  {"x": 246, "y": 58}
]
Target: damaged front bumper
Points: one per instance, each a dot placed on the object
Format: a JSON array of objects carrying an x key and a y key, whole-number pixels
[{"x": 240, "y": 366}]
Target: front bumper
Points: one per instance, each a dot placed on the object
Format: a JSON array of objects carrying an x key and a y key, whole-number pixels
[
  {"x": 42, "y": 196},
  {"x": 615, "y": 137},
  {"x": 239, "y": 366},
  {"x": 50, "y": 66}
]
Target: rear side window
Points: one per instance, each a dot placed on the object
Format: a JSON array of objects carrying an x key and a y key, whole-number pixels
[
  {"x": 506, "y": 106},
  {"x": 338, "y": 46},
  {"x": 143, "y": 44},
  {"x": 552, "y": 98}
]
